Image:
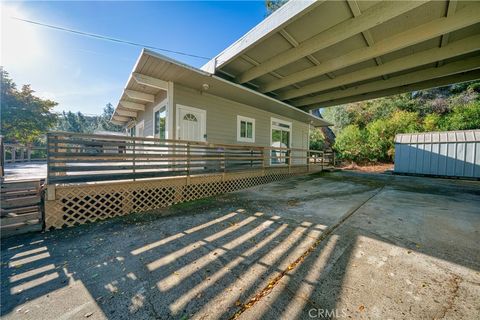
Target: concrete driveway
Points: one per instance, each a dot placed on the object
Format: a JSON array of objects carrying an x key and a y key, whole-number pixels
[{"x": 331, "y": 245}]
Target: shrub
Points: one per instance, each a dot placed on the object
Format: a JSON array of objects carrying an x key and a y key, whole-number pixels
[
  {"x": 350, "y": 143},
  {"x": 464, "y": 117}
]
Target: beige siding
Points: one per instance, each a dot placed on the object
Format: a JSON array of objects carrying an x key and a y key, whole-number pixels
[
  {"x": 147, "y": 115},
  {"x": 222, "y": 114}
]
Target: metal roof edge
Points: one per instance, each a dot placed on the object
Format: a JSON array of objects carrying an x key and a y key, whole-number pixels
[{"x": 291, "y": 10}]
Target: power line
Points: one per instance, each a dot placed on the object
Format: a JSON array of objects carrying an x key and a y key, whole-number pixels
[{"x": 102, "y": 37}]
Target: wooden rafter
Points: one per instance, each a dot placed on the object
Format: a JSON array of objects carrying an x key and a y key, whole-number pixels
[
  {"x": 141, "y": 96},
  {"x": 454, "y": 49},
  {"x": 452, "y": 6},
  {"x": 398, "y": 81},
  {"x": 132, "y": 105},
  {"x": 438, "y": 82},
  {"x": 150, "y": 81},
  {"x": 373, "y": 16},
  {"x": 429, "y": 30},
  {"x": 126, "y": 113}
]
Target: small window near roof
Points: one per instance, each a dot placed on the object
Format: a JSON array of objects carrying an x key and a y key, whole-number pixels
[
  {"x": 190, "y": 117},
  {"x": 245, "y": 129}
]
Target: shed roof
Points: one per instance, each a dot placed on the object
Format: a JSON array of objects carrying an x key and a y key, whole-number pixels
[
  {"x": 438, "y": 137},
  {"x": 313, "y": 54}
]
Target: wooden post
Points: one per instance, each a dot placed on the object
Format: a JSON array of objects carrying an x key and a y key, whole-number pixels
[
  {"x": 29, "y": 153},
  {"x": 264, "y": 159},
  {"x": 13, "y": 154},
  {"x": 133, "y": 159},
  {"x": 309, "y": 155},
  {"x": 224, "y": 163},
  {"x": 323, "y": 156},
  {"x": 188, "y": 163},
  {"x": 48, "y": 158},
  {"x": 2, "y": 160},
  {"x": 289, "y": 159},
  {"x": 61, "y": 148}
]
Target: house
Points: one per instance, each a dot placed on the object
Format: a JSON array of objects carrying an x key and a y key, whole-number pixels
[
  {"x": 169, "y": 100},
  {"x": 306, "y": 55}
]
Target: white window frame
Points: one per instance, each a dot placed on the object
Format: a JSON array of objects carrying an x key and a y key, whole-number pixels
[
  {"x": 159, "y": 106},
  {"x": 290, "y": 129},
  {"x": 246, "y": 119}
]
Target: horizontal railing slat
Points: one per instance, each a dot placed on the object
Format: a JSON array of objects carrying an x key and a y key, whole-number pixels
[{"x": 78, "y": 158}]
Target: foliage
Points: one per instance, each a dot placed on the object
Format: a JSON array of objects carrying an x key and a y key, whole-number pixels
[
  {"x": 273, "y": 5},
  {"x": 317, "y": 141},
  {"x": 79, "y": 122},
  {"x": 366, "y": 130},
  {"x": 463, "y": 117},
  {"x": 105, "y": 123},
  {"x": 350, "y": 143},
  {"x": 24, "y": 116}
]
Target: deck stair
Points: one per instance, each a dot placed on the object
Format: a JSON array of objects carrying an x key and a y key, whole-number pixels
[{"x": 21, "y": 207}]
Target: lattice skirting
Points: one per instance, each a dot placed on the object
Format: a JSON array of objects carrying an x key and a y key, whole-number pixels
[{"x": 78, "y": 204}]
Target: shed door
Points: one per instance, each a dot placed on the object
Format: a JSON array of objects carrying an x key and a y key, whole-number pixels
[{"x": 191, "y": 123}]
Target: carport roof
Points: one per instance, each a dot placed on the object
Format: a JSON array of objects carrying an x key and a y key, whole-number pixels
[{"x": 313, "y": 54}]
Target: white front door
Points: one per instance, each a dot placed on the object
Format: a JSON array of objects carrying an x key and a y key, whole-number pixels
[{"x": 191, "y": 123}]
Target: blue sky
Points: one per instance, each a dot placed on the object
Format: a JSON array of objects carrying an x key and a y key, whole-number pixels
[{"x": 83, "y": 74}]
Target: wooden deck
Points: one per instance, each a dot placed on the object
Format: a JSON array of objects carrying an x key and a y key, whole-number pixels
[
  {"x": 25, "y": 171},
  {"x": 95, "y": 177}
]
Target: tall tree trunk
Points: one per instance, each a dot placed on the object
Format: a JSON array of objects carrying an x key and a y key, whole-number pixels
[{"x": 327, "y": 132}]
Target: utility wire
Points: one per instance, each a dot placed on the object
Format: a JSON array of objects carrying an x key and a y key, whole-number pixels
[{"x": 99, "y": 36}]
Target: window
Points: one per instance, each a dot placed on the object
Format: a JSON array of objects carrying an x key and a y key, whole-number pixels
[
  {"x": 281, "y": 138},
  {"x": 245, "y": 129},
  {"x": 190, "y": 117},
  {"x": 160, "y": 122},
  {"x": 131, "y": 131}
]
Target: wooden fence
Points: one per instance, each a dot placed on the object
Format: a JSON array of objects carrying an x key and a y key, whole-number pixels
[
  {"x": 78, "y": 158},
  {"x": 21, "y": 207}
]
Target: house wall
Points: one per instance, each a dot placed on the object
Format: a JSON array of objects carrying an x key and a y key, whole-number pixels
[
  {"x": 147, "y": 115},
  {"x": 221, "y": 123}
]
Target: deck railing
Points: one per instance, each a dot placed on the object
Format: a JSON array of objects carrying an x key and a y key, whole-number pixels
[
  {"x": 79, "y": 158},
  {"x": 23, "y": 153}
]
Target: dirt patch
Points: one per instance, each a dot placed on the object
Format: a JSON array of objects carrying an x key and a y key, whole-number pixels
[{"x": 371, "y": 168}]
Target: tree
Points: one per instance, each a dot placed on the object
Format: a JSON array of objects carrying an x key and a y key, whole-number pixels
[
  {"x": 375, "y": 123},
  {"x": 463, "y": 117},
  {"x": 273, "y": 5},
  {"x": 24, "y": 117},
  {"x": 317, "y": 140},
  {"x": 350, "y": 143},
  {"x": 105, "y": 123}
]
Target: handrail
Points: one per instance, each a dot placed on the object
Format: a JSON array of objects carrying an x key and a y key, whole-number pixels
[
  {"x": 79, "y": 157},
  {"x": 17, "y": 152}
]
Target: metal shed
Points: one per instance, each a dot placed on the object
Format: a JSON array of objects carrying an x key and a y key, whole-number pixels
[{"x": 449, "y": 153}]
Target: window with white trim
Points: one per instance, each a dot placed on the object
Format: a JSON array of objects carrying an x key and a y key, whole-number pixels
[
  {"x": 245, "y": 129},
  {"x": 160, "y": 121}
]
